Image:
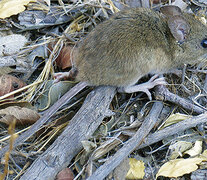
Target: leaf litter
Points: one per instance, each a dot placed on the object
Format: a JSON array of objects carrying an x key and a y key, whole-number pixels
[{"x": 46, "y": 29}]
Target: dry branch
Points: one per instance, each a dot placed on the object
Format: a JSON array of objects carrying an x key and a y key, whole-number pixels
[
  {"x": 130, "y": 145},
  {"x": 161, "y": 92},
  {"x": 45, "y": 118},
  {"x": 173, "y": 129},
  {"x": 68, "y": 144}
]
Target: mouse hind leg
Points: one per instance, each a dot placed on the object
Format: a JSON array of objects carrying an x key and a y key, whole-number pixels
[{"x": 144, "y": 87}]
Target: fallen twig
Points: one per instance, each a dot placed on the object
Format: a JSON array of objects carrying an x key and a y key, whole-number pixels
[
  {"x": 130, "y": 145},
  {"x": 173, "y": 129},
  {"x": 68, "y": 144},
  {"x": 44, "y": 119},
  {"x": 162, "y": 93}
]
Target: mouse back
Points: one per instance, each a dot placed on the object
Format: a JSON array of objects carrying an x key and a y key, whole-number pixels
[
  {"x": 124, "y": 48},
  {"x": 138, "y": 41}
]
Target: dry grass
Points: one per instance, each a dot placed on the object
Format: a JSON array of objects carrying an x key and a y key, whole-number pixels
[{"x": 130, "y": 109}]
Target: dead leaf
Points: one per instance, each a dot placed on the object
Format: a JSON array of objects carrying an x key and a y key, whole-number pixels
[
  {"x": 204, "y": 155},
  {"x": 136, "y": 170},
  {"x": 12, "y": 7},
  {"x": 108, "y": 145},
  {"x": 65, "y": 174},
  {"x": 174, "y": 118},
  {"x": 196, "y": 150},
  {"x": 9, "y": 83},
  {"x": 25, "y": 104},
  {"x": 178, "y": 148},
  {"x": 88, "y": 145},
  {"x": 11, "y": 44},
  {"x": 101, "y": 131},
  {"x": 22, "y": 115},
  {"x": 64, "y": 58},
  {"x": 53, "y": 91},
  {"x": 179, "y": 167}
]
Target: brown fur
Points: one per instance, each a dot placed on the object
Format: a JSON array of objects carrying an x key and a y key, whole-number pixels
[{"x": 133, "y": 43}]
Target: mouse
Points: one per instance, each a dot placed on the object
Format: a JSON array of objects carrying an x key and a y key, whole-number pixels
[
  {"x": 134, "y": 43},
  {"x": 129, "y": 45}
]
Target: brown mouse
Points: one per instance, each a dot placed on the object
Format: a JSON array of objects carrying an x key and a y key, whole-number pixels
[
  {"x": 136, "y": 42},
  {"x": 129, "y": 45}
]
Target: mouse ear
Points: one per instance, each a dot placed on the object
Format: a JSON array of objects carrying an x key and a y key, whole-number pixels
[
  {"x": 179, "y": 27},
  {"x": 170, "y": 10}
]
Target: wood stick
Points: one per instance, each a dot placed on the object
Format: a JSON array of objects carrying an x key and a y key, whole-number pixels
[
  {"x": 173, "y": 129},
  {"x": 68, "y": 144},
  {"x": 130, "y": 145},
  {"x": 162, "y": 93},
  {"x": 47, "y": 115}
]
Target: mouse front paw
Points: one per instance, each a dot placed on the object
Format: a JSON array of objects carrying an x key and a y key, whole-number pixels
[{"x": 61, "y": 75}]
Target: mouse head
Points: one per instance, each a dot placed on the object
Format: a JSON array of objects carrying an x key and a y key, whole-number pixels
[{"x": 189, "y": 32}]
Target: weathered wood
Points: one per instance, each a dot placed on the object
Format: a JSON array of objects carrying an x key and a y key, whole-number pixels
[
  {"x": 162, "y": 93},
  {"x": 130, "y": 145},
  {"x": 47, "y": 115},
  {"x": 68, "y": 144},
  {"x": 174, "y": 129}
]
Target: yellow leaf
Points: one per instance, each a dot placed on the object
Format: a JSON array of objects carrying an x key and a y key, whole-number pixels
[
  {"x": 196, "y": 149},
  {"x": 12, "y": 7},
  {"x": 178, "y": 148},
  {"x": 204, "y": 152},
  {"x": 175, "y": 118},
  {"x": 179, "y": 167},
  {"x": 203, "y": 156},
  {"x": 136, "y": 170}
]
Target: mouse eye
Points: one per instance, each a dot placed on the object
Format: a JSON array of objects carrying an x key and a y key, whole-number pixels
[{"x": 204, "y": 43}]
